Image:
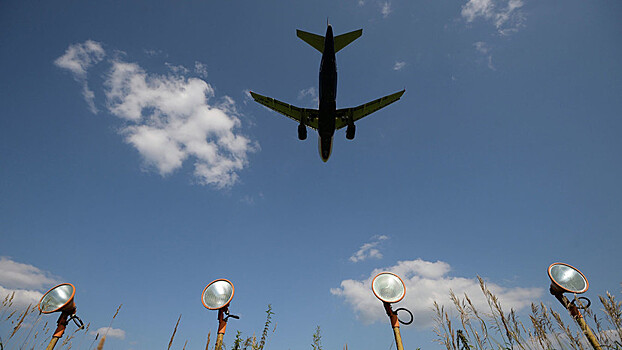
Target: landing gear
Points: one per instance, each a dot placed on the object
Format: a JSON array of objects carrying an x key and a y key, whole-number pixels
[
  {"x": 350, "y": 132},
  {"x": 302, "y": 132}
]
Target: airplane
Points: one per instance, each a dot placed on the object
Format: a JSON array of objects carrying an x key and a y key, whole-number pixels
[{"x": 327, "y": 118}]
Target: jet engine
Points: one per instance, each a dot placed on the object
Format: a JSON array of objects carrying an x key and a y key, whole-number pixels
[
  {"x": 350, "y": 132},
  {"x": 302, "y": 132}
]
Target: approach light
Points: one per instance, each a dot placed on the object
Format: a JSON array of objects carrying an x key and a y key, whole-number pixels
[
  {"x": 568, "y": 279},
  {"x": 389, "y": 288},
  {"x": 60, "y": 298},
  {"x": 217, "y": 296}
]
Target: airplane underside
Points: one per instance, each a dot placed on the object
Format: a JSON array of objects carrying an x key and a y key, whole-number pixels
[
  {"x": 325, "y": 146},
  {"x": 327, "y": 118}
]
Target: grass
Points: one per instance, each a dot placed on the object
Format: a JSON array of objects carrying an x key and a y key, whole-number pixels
[
  {"x": 317, "y": 339},
  {"x": 241, "y": 343},
  {"x": 460, "y": 327},
  {"x": 495, "y": 328},
  {"x": 28, "y": 333}
]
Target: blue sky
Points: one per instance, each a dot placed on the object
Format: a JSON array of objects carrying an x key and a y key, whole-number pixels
[{"x": 134, "y": 165}]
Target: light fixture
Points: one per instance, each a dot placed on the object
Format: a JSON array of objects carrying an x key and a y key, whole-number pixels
[
  {"x": 217, "y": 295},
  {"x": 60, "y": 299},
  {"x": 389, "y": 288},
  {"x": 568, "y": 279}
]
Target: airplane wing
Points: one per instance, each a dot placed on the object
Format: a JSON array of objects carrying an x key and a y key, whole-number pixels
[
  {"x": 293, "y": 112},
  {"x": 363, "y": 110}
]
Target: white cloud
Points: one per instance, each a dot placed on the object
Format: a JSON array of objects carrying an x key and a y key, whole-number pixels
[
  {"x": 171, "y": 119},
  {"x": 399, "y": 65},
  {"x": 310, "y": 92},
  {"x": 484, "y": 49},
  {"x": 247, "y": 97},
  {"x": 25, "y": 280},
  {"x": 481, "y": 47},
  {"x": 19, "y": 275},
  {"x": 385, "y": 9},
  {"x": 427, "y": 282},
  {"x": 109, "y": 332},
  {"x": 21, "y": 297},
  {"x": 153, "y": 53},
  {"x": 200, "y": 69},
  {"x": 78, "y": 58},
  {"x": 506, "y": 15},
  {"x": 181, "y": 70},
  {"x": 369, "y": 250}
]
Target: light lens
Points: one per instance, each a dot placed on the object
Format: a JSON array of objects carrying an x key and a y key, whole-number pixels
[
  {"x": 568, "y": 278},
  {"x": 217, "y": 294},
  {"x": 388, "y": 287},
  {"x": 56, "y": 298}
]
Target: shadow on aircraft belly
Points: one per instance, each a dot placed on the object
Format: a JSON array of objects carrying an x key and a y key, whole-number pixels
[{"x": 325, "y": 146}]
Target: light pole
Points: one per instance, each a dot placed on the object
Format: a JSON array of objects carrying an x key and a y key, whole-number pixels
[
  {"x": 216, "y": 296},
  {"x": 389, "y": 288},
  {"x": 60, "y": 298},
  {"x": 568, "y": 279}
]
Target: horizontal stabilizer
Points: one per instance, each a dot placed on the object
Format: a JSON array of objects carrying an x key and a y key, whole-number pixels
[
  {"x": 317, "y": 41},
  {"x": 343, "y": 40}
]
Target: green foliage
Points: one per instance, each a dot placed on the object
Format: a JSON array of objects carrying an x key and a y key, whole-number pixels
[
  {"x": 264, "y": 334},
  {"x": 239, "y": 343},
  {"x": 317, "y": 339}
]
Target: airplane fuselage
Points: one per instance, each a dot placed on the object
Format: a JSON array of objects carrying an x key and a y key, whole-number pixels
[
  {"x": 327, "y": 118},
  {"x": 328, "y": 96}
]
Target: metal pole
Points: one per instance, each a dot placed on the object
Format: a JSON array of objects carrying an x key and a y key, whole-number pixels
[
  {"x": 222, "y": 326},
  {"x": 576, "y": 314},
  {"x": 52, "y": 343},
  {"x": 60, "y": 329},
  {"x": 395, "y": 323}
]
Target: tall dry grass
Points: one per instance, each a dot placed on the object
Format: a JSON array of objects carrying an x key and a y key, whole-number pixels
[
  {"x": 496, "y": 328},
  {"x": 27, "y": 331},
  {"x": 170, "y": 343},
  {"x": 462, "y": 326}
]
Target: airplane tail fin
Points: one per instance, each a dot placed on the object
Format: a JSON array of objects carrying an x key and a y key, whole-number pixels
[
  {"x": 343, "y": 40},
  {"x": 317, "y": 41}
]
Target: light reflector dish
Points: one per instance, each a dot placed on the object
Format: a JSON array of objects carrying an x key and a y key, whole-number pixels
[
  {"x": 567, "y": 279},
  {"x": 57, "y": 298},
  {"x": 388, "y": 287},
  {"x": 217, "y": 294}
]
